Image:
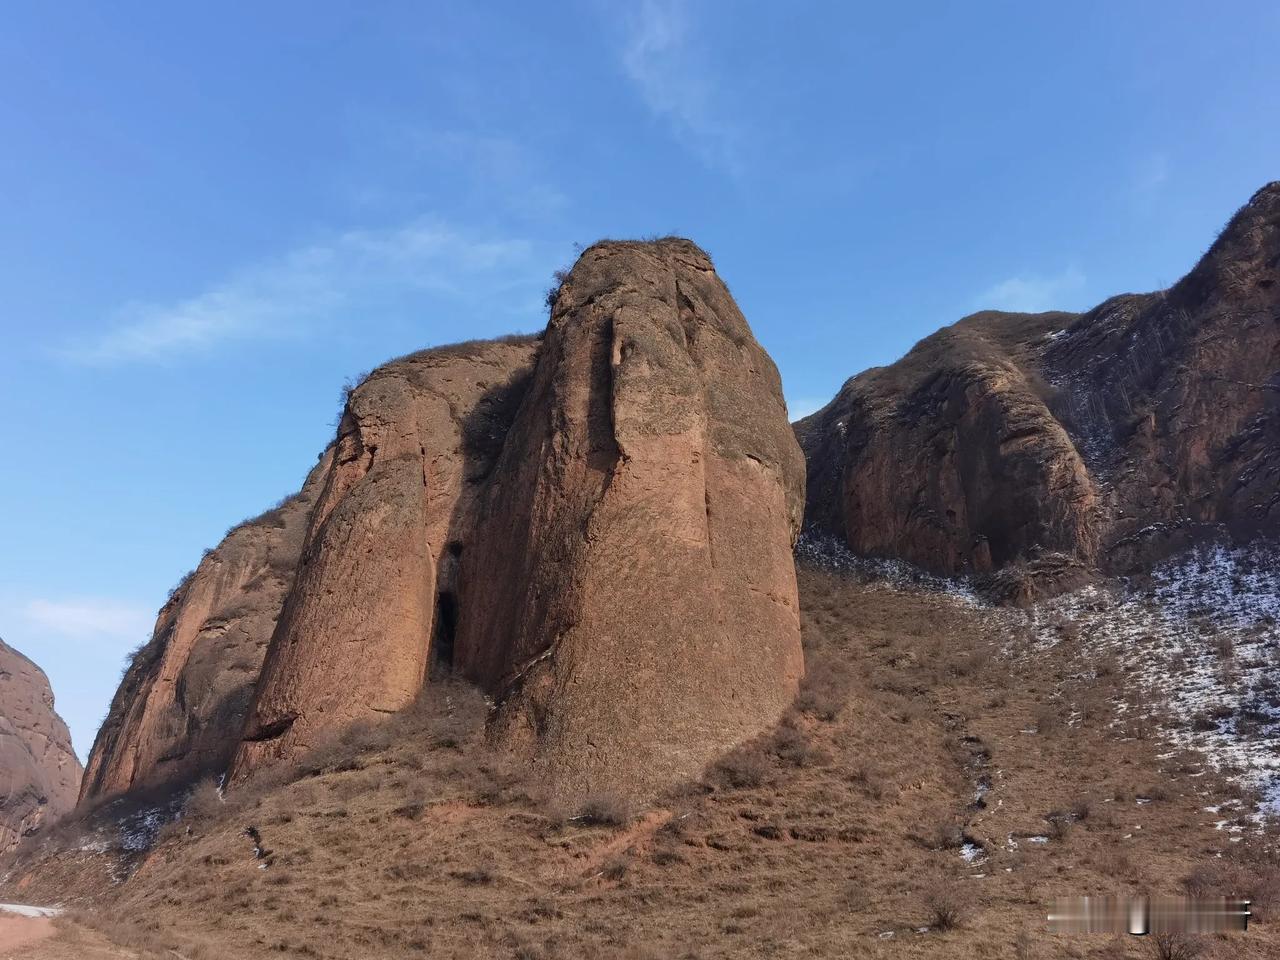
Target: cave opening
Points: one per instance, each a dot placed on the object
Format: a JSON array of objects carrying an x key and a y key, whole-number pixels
[{"x": 446, "y": 628}]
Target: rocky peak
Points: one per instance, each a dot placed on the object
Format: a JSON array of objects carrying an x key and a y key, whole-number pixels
[
  {"x": 593, "y": 525},
  {"x": 1070, "y": 441}
]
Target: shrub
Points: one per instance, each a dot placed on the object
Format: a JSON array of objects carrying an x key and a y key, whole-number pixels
[
  {"x": 616, "y": 867},
  {"x": 792, "y": 746},
  {"x": 945, "y": 835},
  {"x": 606, "y": 810},
  {"x": 869, "y": 779},
  {"x": 744, "y": 767},
  {"x": 553, "y": 292},
  {"x": 1048, "y": 718},
  {"x": 825, "y": 689},
  {"x": 204, "y": 802},
  {"x": 1175, "y": 946},
  {"x": 1060, "y": 825},
  {"x": 945, "y": 907},
  {"x": 480, "y": 875}
]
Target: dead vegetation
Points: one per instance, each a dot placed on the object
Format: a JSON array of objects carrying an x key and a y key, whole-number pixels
[{"x": 935, "y": 785}]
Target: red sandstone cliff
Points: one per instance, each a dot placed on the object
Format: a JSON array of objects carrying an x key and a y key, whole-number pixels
[
  {"x": 376, "y": 588},
  {"x": 1058, "y": 442},
  {"x": 594, "y": 525},
  {"x": 182, "y": 703},
  {"x": 630, "y": 600},
  {"x": 39, "y": 772}
]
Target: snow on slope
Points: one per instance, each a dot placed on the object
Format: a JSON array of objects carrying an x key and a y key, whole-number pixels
[{"x": 1199, "y": 640}]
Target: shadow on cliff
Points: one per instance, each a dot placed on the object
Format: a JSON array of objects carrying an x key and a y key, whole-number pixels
[{"x": 485, "y": 429}]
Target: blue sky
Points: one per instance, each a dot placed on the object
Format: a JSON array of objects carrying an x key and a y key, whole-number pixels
[{"x": 213, "y": 215}]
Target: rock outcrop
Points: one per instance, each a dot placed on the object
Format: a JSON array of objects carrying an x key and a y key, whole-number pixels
[
  {"x": 594, "y": 525},
  {"x": 376, "y": 593},
  {"x": 39, "y": 772},
  {"x": 1058, "y": 443},
  {"x": 180, "y": 708},
  {"x": 630, "y": 599}
]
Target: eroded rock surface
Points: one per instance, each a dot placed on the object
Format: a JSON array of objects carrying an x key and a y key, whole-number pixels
[
  {"x": 630, "y": 599},
  {"x": 1060, "y": 442},
  {"x": 594, "y": 525},
  {"x": 39, "y": 771},
  {"x": 375, "y": 596},
  {"x": 183, "y": 701}
]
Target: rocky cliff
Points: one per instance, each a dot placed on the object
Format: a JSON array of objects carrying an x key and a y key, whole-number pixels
[
  {"x": 630, "y": 600},
  {"x": 39, "y": 772},
  {"x": 1050, "y": 444},
  {"x": 376, "y": 593},
  {"x": 594, "y": 525},
  {"x": 180, "y": 708}
]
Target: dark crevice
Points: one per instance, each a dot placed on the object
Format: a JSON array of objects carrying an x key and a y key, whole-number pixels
[
  {"x": 446, "y": 629},
  {"x": 272, "y": 730}
]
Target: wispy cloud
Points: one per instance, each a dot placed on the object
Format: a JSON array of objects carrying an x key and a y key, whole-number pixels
[
  {"x": 87, "y": 617},
  {"x": 674, "y": 83},
  {"x": 289, "y": 294},
  {"x": 1033, "y": 293}
]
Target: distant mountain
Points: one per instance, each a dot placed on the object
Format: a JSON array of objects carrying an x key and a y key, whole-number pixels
[
  {"x": 39, "y": 772},
  {"x": 1049, "y": 445}
]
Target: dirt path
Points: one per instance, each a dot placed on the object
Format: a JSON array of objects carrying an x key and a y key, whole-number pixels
[{"x": 18, "y": 931}]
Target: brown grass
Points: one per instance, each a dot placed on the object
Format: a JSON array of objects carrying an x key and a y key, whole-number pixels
[{"x": 814, "y": 840}]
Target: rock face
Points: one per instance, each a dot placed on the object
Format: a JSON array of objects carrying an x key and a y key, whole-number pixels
[
  {"x": 594, "y": 525},
  {"x": 630, "y": 599},
  {"x": 180, "y": 708},
  {"x": 376, "y": 592},
  {"x": 39, "y": 772},
  {"x": 1057, "y": 443}
]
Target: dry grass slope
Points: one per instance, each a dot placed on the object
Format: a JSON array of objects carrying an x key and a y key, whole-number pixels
[{"x": 937, "y": 783}]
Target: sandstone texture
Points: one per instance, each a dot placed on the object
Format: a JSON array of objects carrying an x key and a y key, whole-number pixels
[
  {"x": 594, "y": 525},
  {"x": 184, "y": 698},
  {"x": 39, "y": 772},
  {"x": 630, "y": 598},
  {"x": 1055, "y": 444},
  {"x": 375, "y": 599}
]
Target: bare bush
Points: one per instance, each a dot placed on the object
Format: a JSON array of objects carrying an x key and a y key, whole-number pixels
[
  {"x": 1048, "y": 718},
  {"x": 792, "y": 746},
  {"x": 204, "y": 803},
  {"x": 744, "y": 767},
  {"x": 1175, "y": 946},
  {"x": 945, "y": 906},
  {"x": 606, "y": 809},
  {"x": 825, "y": 689}
]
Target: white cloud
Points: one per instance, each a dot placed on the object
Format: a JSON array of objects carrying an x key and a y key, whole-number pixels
[
  {"x": 88, "y": 617},
  {"x": 673, "y": 82},
  {"x": 288, "y": 295},
  {"x": 1032, "y": 293}
]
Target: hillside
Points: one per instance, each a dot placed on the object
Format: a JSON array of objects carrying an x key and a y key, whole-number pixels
[{"x": 947, "y": 763}]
